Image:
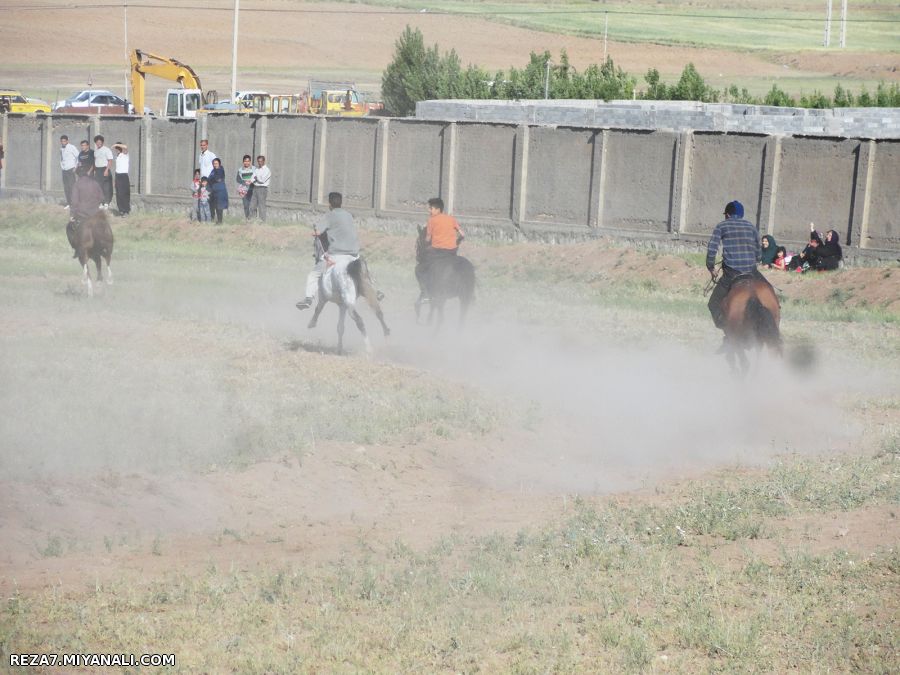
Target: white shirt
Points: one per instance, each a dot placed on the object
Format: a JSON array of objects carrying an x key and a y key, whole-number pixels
[
  {"x": 261, "y": 176},
  {"x": 68, "y": 157},
  {"x": 102, "y": 155},
  {"x": 205, "y": 162},
  {"x": 122, "y": 162}
]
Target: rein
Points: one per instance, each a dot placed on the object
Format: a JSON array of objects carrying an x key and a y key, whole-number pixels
[{"x": 714, "y": 277}]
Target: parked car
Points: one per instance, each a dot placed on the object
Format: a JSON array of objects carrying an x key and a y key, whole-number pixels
[
  {"x": 13, "y": 101},
  {"x": 98, "y": 100}
]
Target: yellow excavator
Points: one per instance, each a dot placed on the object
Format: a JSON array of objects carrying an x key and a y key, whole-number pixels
[{"x": 184, "y": 102}]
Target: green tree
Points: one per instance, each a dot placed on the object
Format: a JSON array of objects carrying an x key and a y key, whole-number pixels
[
  {"x": 815, "y": 100},
  {"x": 403, "y": 81},
  {"x": 778, "y": 97},
  {"x": 842, "y": 97},
  {"x": 692, "y": 87},
  {"x": 656, "y": 90}
]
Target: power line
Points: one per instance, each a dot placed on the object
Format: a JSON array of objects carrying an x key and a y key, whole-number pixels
[{"x": 438, "y": 12}]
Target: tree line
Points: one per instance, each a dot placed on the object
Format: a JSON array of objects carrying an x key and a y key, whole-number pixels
[{"x": 419, "y": 73}]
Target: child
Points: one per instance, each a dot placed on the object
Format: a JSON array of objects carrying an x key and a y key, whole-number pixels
[
  {"x": 203, "y": 202},
  {"x": 195, "y": 194},
  {"x": 780, "y": 262}
]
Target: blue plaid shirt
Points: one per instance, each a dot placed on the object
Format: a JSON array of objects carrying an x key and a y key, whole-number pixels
[{"x": 739, "y": 240}]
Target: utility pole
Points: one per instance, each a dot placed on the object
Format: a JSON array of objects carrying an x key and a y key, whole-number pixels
[
  {"x": 605, "y": 34},
  {"x": 843, "y": 23},
  {"x": 827, "y": 41},
  {"x": 234, "y": 52},
  {"x": 547, "y": 82},
  {"x": 128, "y": 61}
]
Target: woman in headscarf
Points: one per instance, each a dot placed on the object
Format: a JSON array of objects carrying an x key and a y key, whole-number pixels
[
  {"x": 767, "y": 253},
  {"x": 829, "y": 254},
  {"x": 217, "y": 189},
  {"x": 809, "y": 255}
]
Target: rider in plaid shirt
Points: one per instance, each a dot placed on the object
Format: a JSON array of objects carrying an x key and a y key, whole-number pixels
[{"x": 739, "y": 240}]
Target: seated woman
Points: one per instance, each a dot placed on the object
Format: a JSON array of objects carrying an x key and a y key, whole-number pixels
[
  {"x": 767, "y": 252},
  {"x": 829, "y": 254}
]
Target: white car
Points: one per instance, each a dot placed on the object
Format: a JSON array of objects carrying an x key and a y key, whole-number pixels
[{"x": 90, "y": 98}]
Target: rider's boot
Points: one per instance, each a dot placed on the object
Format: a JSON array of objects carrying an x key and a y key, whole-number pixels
[{"x": 306, "y": 303}]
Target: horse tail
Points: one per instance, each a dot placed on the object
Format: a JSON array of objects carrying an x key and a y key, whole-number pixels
[{"x": 763, "y": 323}]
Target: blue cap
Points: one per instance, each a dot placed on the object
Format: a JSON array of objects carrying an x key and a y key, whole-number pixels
[{"x": 735, "y": 209}]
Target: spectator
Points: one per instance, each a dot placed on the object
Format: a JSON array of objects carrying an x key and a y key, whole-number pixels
[
  {"x": 195, "y": 194},
  {"x": 203, "y": 212},
  {"x": 780, "y": 258},
  {"x": 104, "y": 169},
  {"x": 245, "y": 183},
  {"x": 68, "y": 160},
  {"x": 767, "y": 251},
  {"x": 123, "y": 181},
  {"x": 218, "y": 191},
  {"x": 205, "y": 159},
  {"x": 261, "y": 177},
  {"x": 829, "y": 255},
  {"x": 807, "y": 257},
  {"x": 86, "y": 158}
]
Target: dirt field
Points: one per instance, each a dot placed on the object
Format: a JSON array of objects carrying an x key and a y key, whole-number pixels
[{"x": 280, "y": 51}]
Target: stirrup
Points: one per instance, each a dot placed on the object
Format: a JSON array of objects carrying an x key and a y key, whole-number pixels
[{"x": 306, "y": 303}]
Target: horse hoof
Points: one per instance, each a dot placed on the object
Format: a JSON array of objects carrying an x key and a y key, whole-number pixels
[
  {"x": 387, "y": 332},
  {"x": 311, "y": 325}
]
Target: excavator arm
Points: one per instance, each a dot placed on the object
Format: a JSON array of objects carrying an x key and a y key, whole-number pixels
[{"x": 145, "y": 63}]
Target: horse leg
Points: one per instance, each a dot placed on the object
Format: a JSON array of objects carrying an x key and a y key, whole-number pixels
[
  {"x": 340, "y": 328},
  {"x": 463, "y": 310},
  {"x": 86, "y": 279},
  {"x": 371, "y": 296},
  {"x": 440, "y": 316},
  {"x": 98, "y": 263},
  {"x": 362, "y": 328},
  {"x": 320, "y": 304}
]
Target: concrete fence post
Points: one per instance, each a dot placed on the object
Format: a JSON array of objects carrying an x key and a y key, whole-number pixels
[
  {"x": 771, "y": 179},
  {"x": 598, "y": 176},
  {"x": 379, "y": 186},
  {"x": 520, "y": 175},
  {"x": 262, "y": 132},
  {"x": 448, "y": 166},
  {"x": 4, "y": 137},
  {"x": 862, "y": 194},
  {"x": 681, "y": 181},
  {"x": 320, "y": 138},
  {"x": 145, "y": 179}
]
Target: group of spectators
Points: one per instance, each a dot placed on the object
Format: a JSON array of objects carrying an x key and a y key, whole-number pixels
[
  {"x": 108, "y": 167},
  {"x": 821, "y": 253},
  {"x": 210, "y": 191}
]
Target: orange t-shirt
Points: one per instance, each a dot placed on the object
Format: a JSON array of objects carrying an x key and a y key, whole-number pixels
[{"x": 442, "y": 230}]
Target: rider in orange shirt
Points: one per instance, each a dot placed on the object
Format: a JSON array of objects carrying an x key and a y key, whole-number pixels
[{"x": 443, "y": 235}]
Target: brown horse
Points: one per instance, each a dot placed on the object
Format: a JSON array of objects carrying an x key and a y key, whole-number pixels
[
  {"x": 92, "y": 239},
  {"x": 751, "y": 316}
]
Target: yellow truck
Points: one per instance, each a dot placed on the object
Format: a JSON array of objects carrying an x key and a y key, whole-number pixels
[{"x": 335, "y": 98}]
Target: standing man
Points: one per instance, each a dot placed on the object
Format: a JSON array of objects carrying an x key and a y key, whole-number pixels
[
  {"x": 260, "y": 192},
  {"x": 123, "y": 182},
  {"x": 739, "y": 240},
  {"x": 245, "y": 183},
  {"x": 339, "y": 231},
  {"x": 443, "y": 235},
  {"x": 104, "y": 169},
  {"x": 205, "y": 159},
  {"x": 86, "y": 158},
  {"x": 68, "y": 160}
]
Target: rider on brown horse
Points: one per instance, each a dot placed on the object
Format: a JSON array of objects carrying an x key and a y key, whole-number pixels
[{"x": 739, "y": 240}]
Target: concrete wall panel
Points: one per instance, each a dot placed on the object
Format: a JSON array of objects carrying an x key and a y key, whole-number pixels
[
  {"x": 231, "y": 137},
  {"x": 24, "y": 157},
  {"x": 414, "y": 161},
  {"x": 173, "y": 156},
  {"x": 558, "y": 185},
  {"x": 484, "y": 169},
  {"x": 123, "y": 129},
  {"x": 290, "y": 154},
  {"x": 884, "y": 198},
  {"x": 77, "y": 128},
  {"x": 638, "y": 172},
  {"x": 723, "y": 168},
  {"x": 815, "y": 184},
  {"x": 350, "y": 161}
]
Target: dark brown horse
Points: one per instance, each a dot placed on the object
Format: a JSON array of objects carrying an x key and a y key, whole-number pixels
[
  {"x": 442, "y": 278},
  {"x": 751, "y": 316},
  {"x": 92, "y": 239}
]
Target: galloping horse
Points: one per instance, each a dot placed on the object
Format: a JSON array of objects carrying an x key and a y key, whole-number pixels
[
  {"x": 343, "y": 284},
  {"x": 751, "y": 315},
  {"x": 443, "y": 278},
  {"x": 92, "y": 239}
]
